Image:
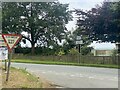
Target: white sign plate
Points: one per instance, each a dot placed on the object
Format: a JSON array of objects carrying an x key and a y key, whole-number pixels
[
  {"x": 78, "y": 37},
  {"x": 79, "y": 42},
  {"x": 2, "y": 42},
  {"x": 3, "y": 53}
]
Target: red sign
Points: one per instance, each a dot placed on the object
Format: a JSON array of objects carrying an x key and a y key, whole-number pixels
[{"x": 11, "y": 40}]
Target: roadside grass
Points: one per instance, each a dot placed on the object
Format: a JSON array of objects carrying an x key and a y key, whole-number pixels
[
  {"x": 63, "y": 63},
  {"x": 20, "y": 78}
]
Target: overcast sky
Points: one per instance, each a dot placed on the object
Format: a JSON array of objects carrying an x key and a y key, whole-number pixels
[{"x": 81, "y": 4}]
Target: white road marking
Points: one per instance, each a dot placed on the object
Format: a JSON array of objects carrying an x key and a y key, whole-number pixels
[
  {"x": 100, "y": 78},
  {"x": 72, "y": 75},
  {"x": 81, "y": 76},
  {"x": 91, "y": 77},
  {"x": 59, "y": 87},
  {"x": 50, "y": 71},
  {"x": 57, "y": 73},
  {"x": 113, "y": 79},
  {"x": 43, "y": 72}
]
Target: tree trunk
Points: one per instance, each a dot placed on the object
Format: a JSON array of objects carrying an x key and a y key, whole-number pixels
[{"x": 33, "y": 49}]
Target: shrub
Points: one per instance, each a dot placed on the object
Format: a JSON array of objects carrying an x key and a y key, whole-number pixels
[{"x": 73, "y": 51}]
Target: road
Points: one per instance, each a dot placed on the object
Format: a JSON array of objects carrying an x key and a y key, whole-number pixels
[{"x": 74, "y": 76}]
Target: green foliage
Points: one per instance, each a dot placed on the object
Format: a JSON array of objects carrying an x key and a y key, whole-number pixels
[
  {"x": 101, "y": 22},
  {"x": 73, "y": 51},
  {"x": 85, "y": 50},
  {"x": 44, "y": 22},
  {"x": 22, "y": 50},
  {"x": 67, "y": 46},
  {"x": 114, "y": 53},
  {"x": 38, "y": 51},
  {"x": 61, "y": 52}
]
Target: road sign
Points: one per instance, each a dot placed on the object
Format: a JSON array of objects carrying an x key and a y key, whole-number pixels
[
  {"x": 11, "y": 40},
  {"x": 79, "y": 42},
  {"x": 78, "y": 38},
  {"x": 2, "y": 43}
]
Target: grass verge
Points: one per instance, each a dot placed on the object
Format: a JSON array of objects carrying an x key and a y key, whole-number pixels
[
  {"x": 64, "y": 63},
  {"x": 20, "y": 78}
]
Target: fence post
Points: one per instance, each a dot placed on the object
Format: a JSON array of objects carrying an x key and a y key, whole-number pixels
[{"x": 5, "y": 65}]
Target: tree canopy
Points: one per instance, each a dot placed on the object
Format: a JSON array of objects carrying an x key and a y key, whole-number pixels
[
  {"x": 101, "y": 22},
  {"x": 44, "y": 22}
]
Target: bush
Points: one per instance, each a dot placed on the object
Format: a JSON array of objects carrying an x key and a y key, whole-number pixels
[
  {"x": 24, "y": 50},
  {"x": 38, "y": 50},
  {"x": 85, "y": 50},
  {"x": 61, "y": 52},
  {"x": 73, "y": 51}
]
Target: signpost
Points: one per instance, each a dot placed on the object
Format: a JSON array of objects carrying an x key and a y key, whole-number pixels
[
  {"x": 79, "y": 42},
  {"x": 11, "y": 40}
]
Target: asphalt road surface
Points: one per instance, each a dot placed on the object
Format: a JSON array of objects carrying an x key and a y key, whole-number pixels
[{"x": 74, "y": 76}]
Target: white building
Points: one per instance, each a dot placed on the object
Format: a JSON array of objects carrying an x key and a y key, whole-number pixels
[{"x": 103, "y": 49}]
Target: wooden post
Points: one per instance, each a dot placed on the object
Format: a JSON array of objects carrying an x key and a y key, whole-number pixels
[
  {"x": 9, "y": 60},
  {"x": 5, "y": 65},
  {"x": 79, "y": 47}
]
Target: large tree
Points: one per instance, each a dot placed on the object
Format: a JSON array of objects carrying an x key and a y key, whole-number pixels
[
  {"x": 44, "y": 22},
  {"x": 101, "y": 22}
]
